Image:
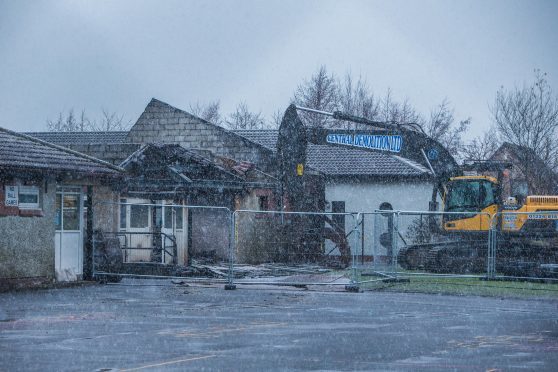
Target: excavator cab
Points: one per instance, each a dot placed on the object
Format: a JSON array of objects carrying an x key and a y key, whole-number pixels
[{"x": 476, "y": 195}]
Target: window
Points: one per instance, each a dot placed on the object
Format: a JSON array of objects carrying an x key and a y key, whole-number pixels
[
  {"x": 123, "y": 214},
  {"x": 28, "y": 197},
  {"x": 179, "y": 214},
  {"x": 158, "y": 222},
  {"x": 168, "y": 217},
  {"x": 469, "y": 196},
  {"x": 68, "y": 207},
  {"x": 70, "y": 212},
  {"x": 139, "y": 216},
  {"x": 263, "y": 203},
  {"x": 58, "y": 215}
]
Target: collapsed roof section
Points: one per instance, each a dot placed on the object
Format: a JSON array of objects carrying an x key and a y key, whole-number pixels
[{"x": 156, "y": 169}]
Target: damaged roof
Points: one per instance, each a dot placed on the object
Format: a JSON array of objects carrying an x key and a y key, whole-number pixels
[
  {"x": 155, "y": 167},
  {"x": 20, "y": 151}
]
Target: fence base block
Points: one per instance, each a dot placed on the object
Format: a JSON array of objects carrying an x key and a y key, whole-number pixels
[
  {"x": 230, "y": 287},
  {"x": 352, "y": 288},
  {"x": 396, "y": 280}
]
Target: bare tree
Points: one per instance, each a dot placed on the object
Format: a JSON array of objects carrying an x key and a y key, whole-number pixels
[
  {"x": 391, "y": 111},
  {"x": 443, "y": 128},
  {"x": 276, "y": 118},
  {"x": 69, "y": 122},
  {"x": 528, "y": 117},
  {"x": 109, "y": 121},
  {"x": 320, "y": 92},
  {"x": 482, "y": 147},
  {"x": 243, "y": 118},
  {"x": 210, "y": 112},
  {"x": 356, "y": 98},
  {"x": 323, "y": 91}
]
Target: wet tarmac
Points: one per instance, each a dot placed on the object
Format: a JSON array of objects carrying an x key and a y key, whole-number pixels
[{"x": 157, "y": 325}]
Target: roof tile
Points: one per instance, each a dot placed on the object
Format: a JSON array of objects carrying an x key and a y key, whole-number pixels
[{"x": 24, "y": 152}]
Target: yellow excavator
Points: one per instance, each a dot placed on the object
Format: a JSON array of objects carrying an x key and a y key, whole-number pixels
[
  {"x": 527, "y": 238},
  {"x": 525, "y": 229}
]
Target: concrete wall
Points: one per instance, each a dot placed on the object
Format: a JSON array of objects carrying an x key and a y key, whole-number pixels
[
  {"x": 114, "y": 153},
  {"x": 258, "y": 235},
  {"x": 105, "y": 209},
  {"x": 210, "y": 231},
  {"x": 367, "y": 197},
  {"x": 27, "y": 243}
]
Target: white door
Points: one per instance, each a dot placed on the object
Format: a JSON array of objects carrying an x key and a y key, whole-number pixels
[
  {"x": 69, "y": 234},
  {"x": 172, "y": 225},
  {"x": 135, "y": 221}
]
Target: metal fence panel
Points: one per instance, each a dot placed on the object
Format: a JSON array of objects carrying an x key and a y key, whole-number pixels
[
  {"x": 525, "y": 245},
  {"x": 162, "y": 240},
  {"x": 441, "y": 243},
  {"x": 294, "y": 248},
  {"x": 307, "y": 248}
]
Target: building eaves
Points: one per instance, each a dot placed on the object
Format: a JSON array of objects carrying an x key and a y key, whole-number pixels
[
  {"x": 22, "y": 151},
  {"x": 80, "y": 138}
]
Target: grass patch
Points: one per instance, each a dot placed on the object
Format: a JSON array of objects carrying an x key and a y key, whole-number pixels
[{"x": 465, "y": 287}]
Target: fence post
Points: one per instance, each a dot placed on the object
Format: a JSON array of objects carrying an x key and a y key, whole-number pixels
[
  {"x": 94, "y": 258},
  {"x": 492, "y": 241},
  {"x": 354, "y": 287},
  {"x": 232, "y": 245},
  {"x": 394, "y": 249}
]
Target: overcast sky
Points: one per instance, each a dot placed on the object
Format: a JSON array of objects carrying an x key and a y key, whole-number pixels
[{"x": 117, "y": 55}]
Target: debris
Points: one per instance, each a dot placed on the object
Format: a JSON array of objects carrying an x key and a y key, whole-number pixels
[{"x": 208, "y": 270}]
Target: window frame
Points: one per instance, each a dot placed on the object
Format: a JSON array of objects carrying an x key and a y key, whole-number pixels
[
  {"x": 263, "y": 202},
  {"x": 29, "y": 190}
]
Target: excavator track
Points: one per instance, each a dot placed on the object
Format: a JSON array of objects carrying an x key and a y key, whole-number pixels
[
  {"x": 525, "y": 258},
  {"x": 451, "y": 257},
  {"x": 529, "y": 259}
]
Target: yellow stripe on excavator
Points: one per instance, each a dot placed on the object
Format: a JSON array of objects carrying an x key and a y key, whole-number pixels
[{"x": 478, "y": 222}]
